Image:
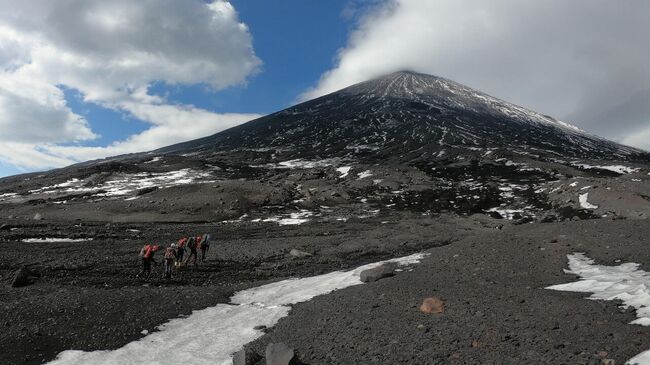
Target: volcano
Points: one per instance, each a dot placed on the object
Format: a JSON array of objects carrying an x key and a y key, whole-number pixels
[{"x": 408, "y": 115}]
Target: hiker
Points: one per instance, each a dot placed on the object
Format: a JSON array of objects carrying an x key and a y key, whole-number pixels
[
  {"x": 147, "y": 254},
  {"x": 205, "y": 246},
  {"x": 170, "y": 257},
  {"x": 191, "y": 245},
  {"x": 180, "y": 251}
]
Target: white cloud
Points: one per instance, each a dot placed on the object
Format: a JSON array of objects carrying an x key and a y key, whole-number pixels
[
  {"x": 640, "y": 139},
  {"x": 111, "y": 51},
  {"x": 173, "y": 124},
  {"x": 564, "y": 58}
]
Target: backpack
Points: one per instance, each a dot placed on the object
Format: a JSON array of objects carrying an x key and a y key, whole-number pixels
[
  {"x": 170, "y": 253},
  {"x": 182, "y": 242}
]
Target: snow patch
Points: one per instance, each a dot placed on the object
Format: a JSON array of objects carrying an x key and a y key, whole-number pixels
[
  {"x": 55, "y": 240},
  {"x": 364, "y": 174},
  {"x": 305, "y": 164},
  {"x": 584, "y": 203},
  {"x": 625, "y": 282},
  {"x": 344, "y": 171},
  {"x": 212, "y": 335},
  {"x": 619, "y": 169}
]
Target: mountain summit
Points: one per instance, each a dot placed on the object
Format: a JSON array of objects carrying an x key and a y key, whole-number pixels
[{"x": 404, "y": 113}]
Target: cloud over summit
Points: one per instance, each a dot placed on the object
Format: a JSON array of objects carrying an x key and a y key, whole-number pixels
[{"x": 580, "y": 60}]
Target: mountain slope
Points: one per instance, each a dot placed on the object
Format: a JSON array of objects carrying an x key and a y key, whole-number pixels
[{"x": 404, "y": 142}]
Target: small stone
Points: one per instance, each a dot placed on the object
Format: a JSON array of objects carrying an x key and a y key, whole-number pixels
[
  {"x": 38, "y": 217},
  {"x": 278, "y": 354},
  {"x": 432, "y": 305},
  {"x": 299, "y": 254}
]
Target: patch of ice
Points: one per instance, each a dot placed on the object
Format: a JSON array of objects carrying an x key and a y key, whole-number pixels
[
  {"x": 506, "y": 213},
  {"x": 584, "y": 203},
  {"x": 625, "y": 282},
  {"x": 126, "y": 183},
  {"x": 640, "y": 359},
  {"x": 212, "y": 335},
  {"x": 619, "y": 169},
  {"x": 296, "y": 218},
  {"x": 305, "y": 164},
  {"x": 364, "y": 174},
  {"x": 55, "y": 240},
  {"x": 155, "y": 159},
  {"x": 7, "y": 196},
  {"x": 344, "y": 171}
]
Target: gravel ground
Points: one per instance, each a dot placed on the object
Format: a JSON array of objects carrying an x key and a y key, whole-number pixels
[
  {"x": 496, "y": 308},
  {"x": 89, "y": 298}
]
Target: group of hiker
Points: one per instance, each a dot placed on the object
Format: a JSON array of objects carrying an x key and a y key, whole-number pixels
[{"x": 174, "y": 254}]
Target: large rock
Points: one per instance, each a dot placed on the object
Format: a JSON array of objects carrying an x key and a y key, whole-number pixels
[
  {"x": 383, "y": 271},
  {"x": 246, "y": 357},
  {"x": 432, "y": 305},
  {"x": 24, "y": 277},
  {"x": 278, "y": 354}
]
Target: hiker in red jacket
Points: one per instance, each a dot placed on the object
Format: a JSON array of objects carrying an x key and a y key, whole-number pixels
[{"x": 146, "y": 253}]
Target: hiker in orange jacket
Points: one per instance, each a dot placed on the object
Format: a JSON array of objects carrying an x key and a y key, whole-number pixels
[{"x": 147, "y": 254}]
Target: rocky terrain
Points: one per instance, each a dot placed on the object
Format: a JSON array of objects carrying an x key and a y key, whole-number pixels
[{"x": 496, "y": 194}]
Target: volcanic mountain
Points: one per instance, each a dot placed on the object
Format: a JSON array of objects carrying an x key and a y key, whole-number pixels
[
  {"x": 429, "y": 144},
  {"x": 407, "y": 113}
]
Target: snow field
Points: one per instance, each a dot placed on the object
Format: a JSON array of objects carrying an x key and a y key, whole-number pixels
[{"x": 214, "y": 334}]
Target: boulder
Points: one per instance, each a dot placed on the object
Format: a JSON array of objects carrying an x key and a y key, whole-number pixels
[
  {"x": 432, "y": 305},
  {"x": 246, "y": 357},
  {"x": 38, "y": 217},
  {"x": 382, "y": 271},
  {"x": 299, "y": 254},
  {"x": 24, "y": 277},
  {"x": 278, "y": 354}
]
